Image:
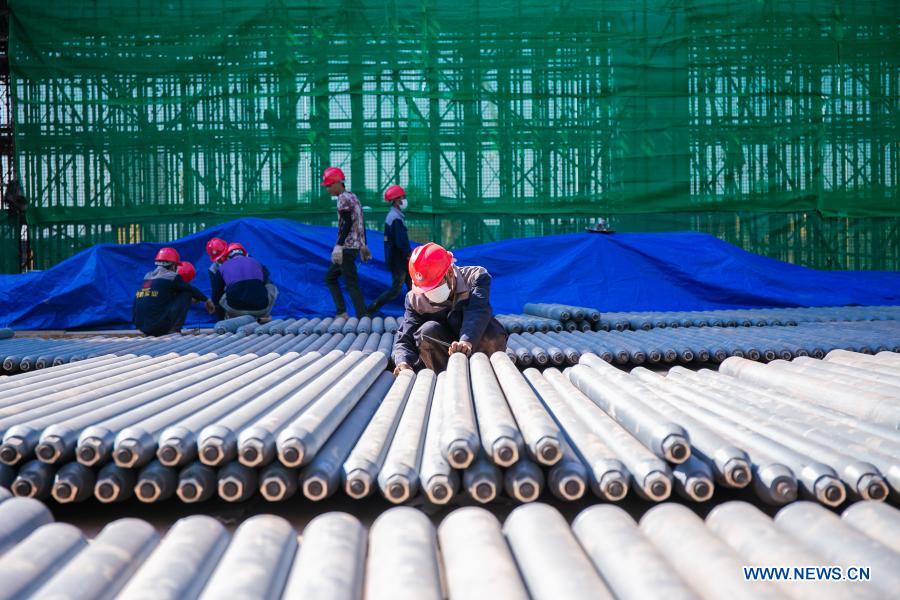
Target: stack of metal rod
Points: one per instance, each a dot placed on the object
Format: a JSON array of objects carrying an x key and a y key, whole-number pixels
[
  {"x": 29, "y": 353},
  {"x": 559, "y": 317},
  {"x": 695, "y": 345},
  {"x": 319, "y": 325},
  {"x": 534, "y": 553},
  {"x": 201, "y": 426}
]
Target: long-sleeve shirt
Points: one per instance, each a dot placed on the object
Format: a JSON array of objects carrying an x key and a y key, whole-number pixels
[
  {"x": 351, "y": 227},
  {"x": 467, "y": 311},
  {"x": 396, "y": 238},
  {"x": 217, "y": 284},
  {"x": 152, "y": 302}
]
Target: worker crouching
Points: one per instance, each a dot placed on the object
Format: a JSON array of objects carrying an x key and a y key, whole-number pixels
[
  {"x": 243, "y": 287},
  {"x": 161, "y": 305},
  {"x": 447, "y": 311}
]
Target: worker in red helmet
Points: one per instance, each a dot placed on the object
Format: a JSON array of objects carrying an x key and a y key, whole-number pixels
[
  {"x": 217, "y": 250},
  {"x": 162, "y": 303},
  {"x": 447, "y": 311},
  {"x": 242, "y": 285},
  {"x": 396, "y": 247},
  {"x": 351, "y": 242}
]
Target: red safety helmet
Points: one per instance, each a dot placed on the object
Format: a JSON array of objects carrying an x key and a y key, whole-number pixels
[
  {"x": 217, "y": 249},
  {"x": 235, "y": 246},
  {"x": 428, "y": 265},
  {"x": 332, "y": 175},
  {"x": 168, "y": 255},
  {"x": 187, "y": 271},
  {"x": 393, "y": 193}
]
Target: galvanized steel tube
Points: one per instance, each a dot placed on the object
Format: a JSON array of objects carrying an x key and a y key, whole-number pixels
[
  {"x": 330, "y": 562},
  {"x": 459, "y": 431},
  {"x": 500, "y": 437},
  {"x": 403, "y": 562},
  {"x": 49, "y": 547}
]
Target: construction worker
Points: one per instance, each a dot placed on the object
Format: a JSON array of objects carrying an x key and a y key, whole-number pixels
[
  {"x": 217, "y": 250},
  {"x": 161, "y": 305},
  {"x": 447, "y": 311},
  {"x": 351, "y": 242},
  {"x": 242, "y": 285},
  {"x": 396, "y": 247}
]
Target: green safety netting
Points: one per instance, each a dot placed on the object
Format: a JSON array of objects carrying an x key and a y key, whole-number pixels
[{"x": 773, "y": 124}]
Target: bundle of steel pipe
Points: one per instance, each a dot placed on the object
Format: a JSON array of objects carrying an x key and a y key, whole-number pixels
[
  {"x": 197, "y": 426},
  {"x": 549, "y": 317},
  {"x": 670, "y": 552},
  {"x": 28, "y": 354},
  {"x": 307, "y": 325},
  {"x": 710, "y": 344}
]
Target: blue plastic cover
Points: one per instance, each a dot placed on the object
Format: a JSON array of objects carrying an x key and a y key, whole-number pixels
[{"x": 619, "y": 272}]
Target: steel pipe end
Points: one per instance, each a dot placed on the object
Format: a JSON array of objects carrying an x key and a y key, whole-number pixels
[
  {"x": 106, "y": 491},
  {"x": 231, "y": 489},
  {"x": 701, "y": 490},
  {"x": 784, "y": 490},
  {"x": 526, "y": 490},
  {"x": 676, "y": 449},
  {"x": 291, "y": 452},
  {"x": 251, "y": 454},
  {"x": 126, "y": 454},
  {"x": 212, "y": 452},
  {"x": 23, "y": 488},
  {"x": 614, "y": 486},
  {"x": 358, "y": 484},
  {"x": 89, "y": 451},
  {"x": 397, "y": 489},
  {"x": 147, "y": 491},
  {"x": 872, "y": 487},
  {"x": 63, "y": 492},
  {"x": 738, "y": 473},
  {"x": 439, "y": 490},
  {"x": 12, "y": 451},
  {"x": 189, "y": 490},
  {"x": 657, "y": 486},
  {"x": 830, "y": 491},
  {"x": 169, "y": 454},
  {"x": 571, "y": 487},
  {"x": 315, "y": 488},
  {"x": 273, "y": 489},
  {"x": 50, "y": 450},
  {"x": 548, "y": 451},
  {"x": 483, "y": 490},
  {"x": 504, "y": 452},
  {"x": 460, "y": 456}
]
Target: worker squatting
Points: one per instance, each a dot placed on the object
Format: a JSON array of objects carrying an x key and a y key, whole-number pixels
[{"x": 447, "y": 307}]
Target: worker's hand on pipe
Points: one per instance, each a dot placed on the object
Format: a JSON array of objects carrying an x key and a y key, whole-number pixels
[
  {"x": 402, "y": 367},
  {"x": 337, "y": 254},
  {"x": 365, "y": 254},
  {"x": 210, "y": 306},
  {"x": 461, "y": 346}
]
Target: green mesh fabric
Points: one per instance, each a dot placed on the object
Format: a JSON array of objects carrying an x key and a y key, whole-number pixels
[{"x": 773, "y": 124}]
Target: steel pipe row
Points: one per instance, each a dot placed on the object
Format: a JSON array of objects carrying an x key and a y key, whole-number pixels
[
  {"x": 28, "y": 354},
  {"x": 308, "y": 325},
  {"x": 707, "y": 345},
  {"x": 534, "y": 554}
]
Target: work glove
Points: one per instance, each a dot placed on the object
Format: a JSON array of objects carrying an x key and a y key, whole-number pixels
[
  {"x": 365, "y": 254},
  {"x": 460, "y": 346},
  {"x": 337, "y": 254},
  {"x": 402, "y": 367}
]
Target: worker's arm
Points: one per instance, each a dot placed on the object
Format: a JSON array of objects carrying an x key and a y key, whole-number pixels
[
  {"x": 179, "y": 285},
  {"x": 401, "y": 238},
  {"x": 217, "y": 283},
  {"x": 478, "y": 313},
  {"x": 345, "y": 222},
  {"x": 405, "y": 350}
]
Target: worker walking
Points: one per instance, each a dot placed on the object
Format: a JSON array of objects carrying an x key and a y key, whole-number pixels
[
  {"x": 447, "y": 311},
  {"x": 396, "y": 247},
  {"x": 217, "y": 250},
  {"x": 162, "y": 303},
  {"x": 351, "y": 242},
  {"x": 242, "y": 286}
]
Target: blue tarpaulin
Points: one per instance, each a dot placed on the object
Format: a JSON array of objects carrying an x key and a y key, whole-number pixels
[{"x": 619, "y": 272}]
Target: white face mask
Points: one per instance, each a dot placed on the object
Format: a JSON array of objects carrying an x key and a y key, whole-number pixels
[
  {"x": 403, "y": 204},
  {"x": 438, "y": 294}
]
